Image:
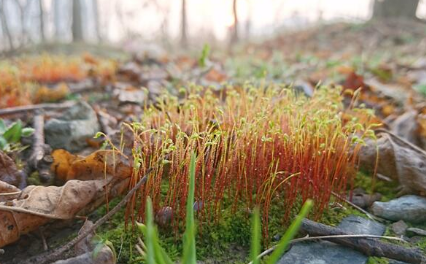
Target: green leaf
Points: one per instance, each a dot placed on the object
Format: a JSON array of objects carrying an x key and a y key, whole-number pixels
[
  {"x": 290, "y": 233},
  {"x": 2, "y": 127},
  {"x": 3, "y": 143},
  {"x": 27, "y": 131},
  {"x": 189, "y": 253},
  {"x": 13, "y": 133},
  {"x": 255, "y": 237}
]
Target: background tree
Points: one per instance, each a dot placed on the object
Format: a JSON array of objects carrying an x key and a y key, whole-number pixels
[
  {"x": 234, "y": 36},
  {"x": 41, "y": 17},
  {"x": 184, "y": 25},
  {"x": 395, "y": 9},
  {"x": 96, "y": 20},
  {"x": 77, "y": 22},
  {"x": 5, "y": 25}
]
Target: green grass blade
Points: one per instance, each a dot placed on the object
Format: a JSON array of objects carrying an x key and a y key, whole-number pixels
[
  {"x": 150, "y": 233},
  {"x": 189, "y": 254},
  {"x": 290, "y": 233},
  {"x": 155, "y": 253},
  {"x": 255, "y": 237}
]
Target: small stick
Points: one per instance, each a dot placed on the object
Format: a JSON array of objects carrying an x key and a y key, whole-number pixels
[
  {"x": 37, "y": 153},
  {"x": 372, "y": 217},
  {"x": 38, "y": 160},
  {"x": 43, "y": 239},
  {"x": 56, "y": 253},
  {"x": 31, "y": 108}
]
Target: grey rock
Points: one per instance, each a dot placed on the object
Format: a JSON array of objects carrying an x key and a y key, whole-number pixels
[
  {"x": 399, "y": 227},
  {"x": 362, "y": 226},
  {"x": 71, "y": 130},
  {"x": 416, "y": 231},
  {"x": 326, "y": 252},
  {"x": 410, "y": 208}
]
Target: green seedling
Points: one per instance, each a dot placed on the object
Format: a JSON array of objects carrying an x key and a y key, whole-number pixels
[{"x": 10, "y": 136}]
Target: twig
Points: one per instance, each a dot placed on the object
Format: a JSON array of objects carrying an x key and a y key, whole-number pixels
[
  {"x": 411, "y": 145},
  {"x": 372, "y": 217},
  {"x": 308, "y": 238},
  {"x": 367, "y": 246},
  {"x": 37, "y": 152},
  {"x": 39, "y": 160},
  {"x": 56, "y": 253},
  {"x": 31, "y": 108}
]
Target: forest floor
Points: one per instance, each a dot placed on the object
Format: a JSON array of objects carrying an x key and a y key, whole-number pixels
[{"x": 66, "y": 155}]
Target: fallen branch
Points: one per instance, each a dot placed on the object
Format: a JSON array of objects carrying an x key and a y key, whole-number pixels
[
  {"x": 56, "y": 253},
  {"x": 367, "y": 246},
  {"x": 32, "y": 108},
  {"x": 309, "y": 238}
]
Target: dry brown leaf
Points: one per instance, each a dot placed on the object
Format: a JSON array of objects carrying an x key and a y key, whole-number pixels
[
  {"x": 406, "y": 126},
  {"x": 8, "y": 171},
  {"x": 398, "y": 160},
  {"x": 37, "y": 205},
  {"x": 8, "y": 192},
  {"x": 95, "y": 166}
]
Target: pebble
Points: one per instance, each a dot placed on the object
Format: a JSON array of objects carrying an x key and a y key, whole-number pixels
[{"x": 410, "y": 208}]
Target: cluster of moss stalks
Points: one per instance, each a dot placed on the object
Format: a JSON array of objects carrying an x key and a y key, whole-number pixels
[{"x": 265, "y": 147}]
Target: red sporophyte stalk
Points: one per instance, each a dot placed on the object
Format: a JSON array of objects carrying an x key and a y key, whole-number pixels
[{"x": 255, "y": 147}]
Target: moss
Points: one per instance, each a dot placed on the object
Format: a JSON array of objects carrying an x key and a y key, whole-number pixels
[
  {"x": 34, "y": 179},
  {"x": 225, "y": 240},
  {"x": 371, "y": 185},
  {"x": 376, "y": 260}
]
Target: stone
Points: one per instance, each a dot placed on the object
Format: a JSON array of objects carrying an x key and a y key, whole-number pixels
[
  {"x": 412, "y": 231},
  {"x": 324, "y": 252},
  {"x": 71, "y": 130},
  {"x": 410, "y": 208},
  {"x": 164, "y": 216},
  {"x": 399, "y": 227}
]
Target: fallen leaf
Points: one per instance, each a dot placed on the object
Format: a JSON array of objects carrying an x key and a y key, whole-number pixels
[
  {"x": 8, "y": 171},
  {"x": 37, "y": 205},
  {"x": 398, "y": 160},
  {"x": 97, "y": 165},
  {"x": 406, "y": 126}
]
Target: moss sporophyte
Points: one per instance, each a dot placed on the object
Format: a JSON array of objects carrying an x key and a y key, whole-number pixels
[{"x": 256, "y": 147}]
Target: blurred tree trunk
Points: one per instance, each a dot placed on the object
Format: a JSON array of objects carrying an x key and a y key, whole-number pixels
[
  {"x": 5, "y": 25},
  {"x": 184, "y": 34},
  {"x": 77, "y": 22},
  {"x": 96, "y": 18},
  {"x": 22, "y": 15},
  {"x": 234, "y": 37},
  {"x": 57, "y": 18},
  {"x": 395, "y": 9},
  {"x": 41, "y": 17}
]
